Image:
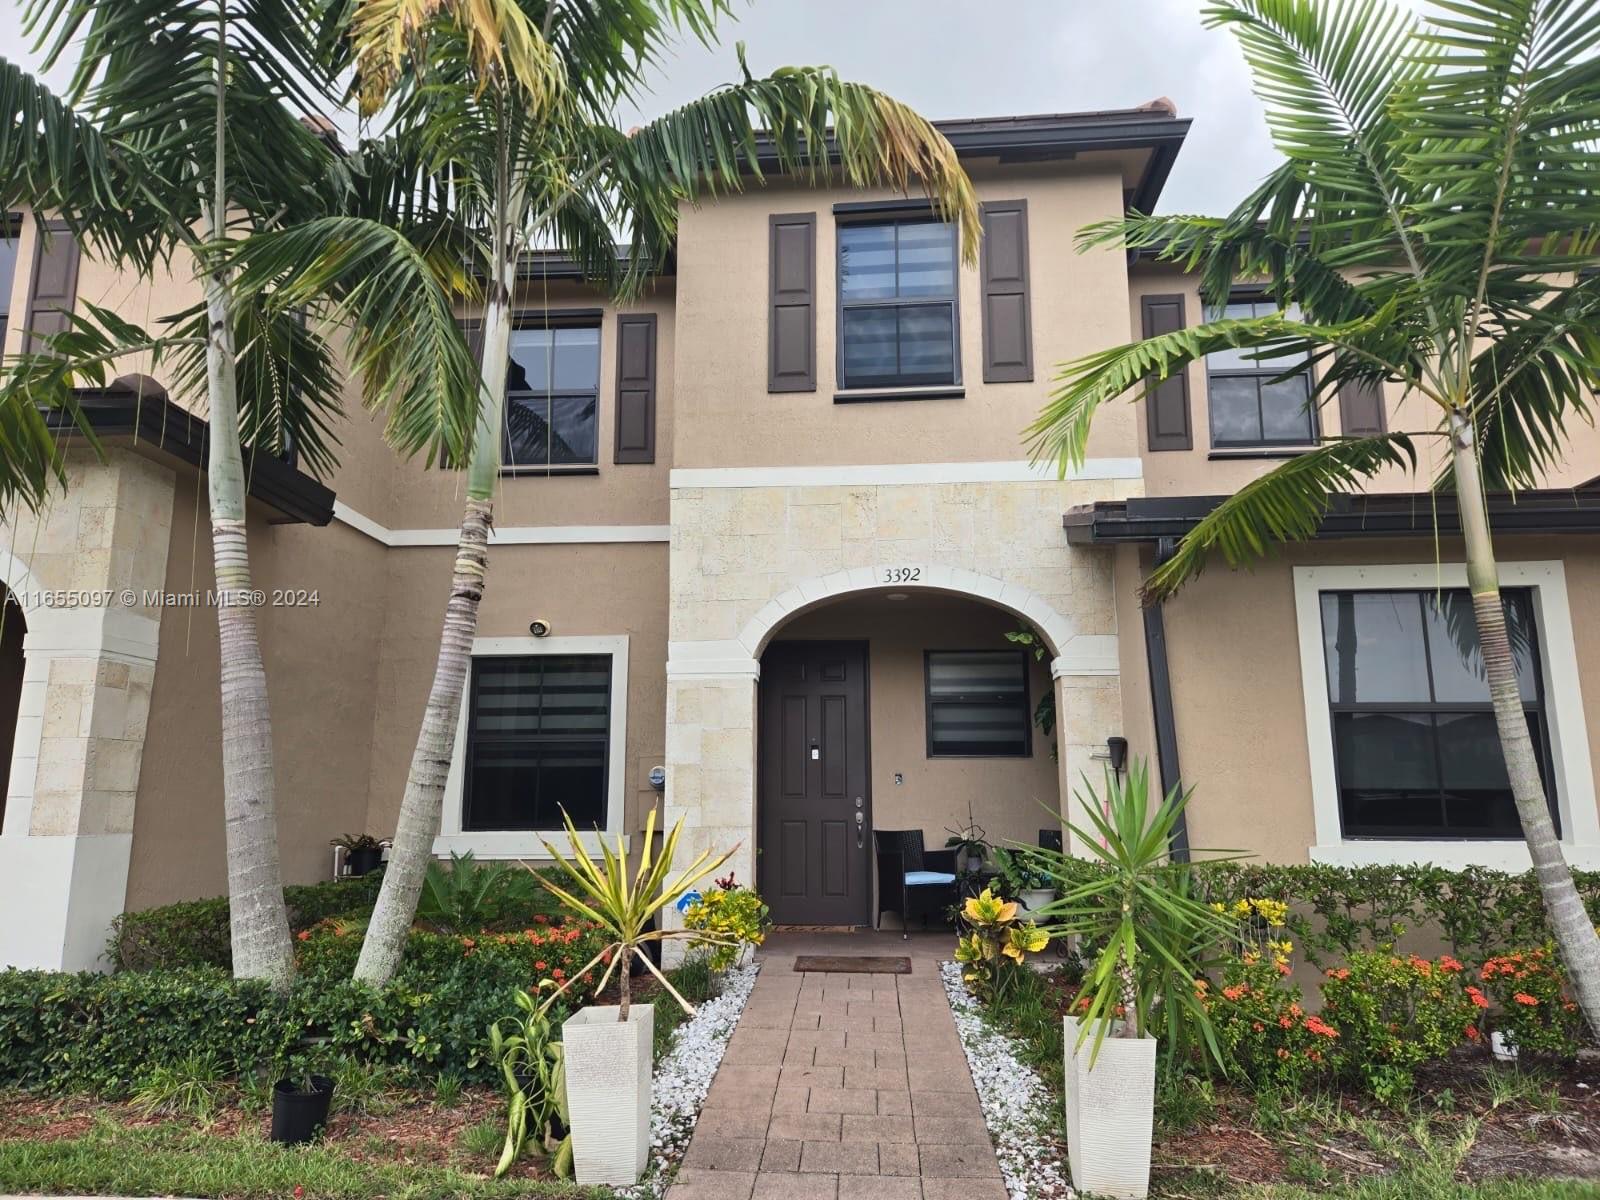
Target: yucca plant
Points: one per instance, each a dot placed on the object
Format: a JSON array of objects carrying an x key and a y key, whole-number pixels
[
  {"x": 1435, "y": 223},
  {"x": 1140, "y": 913},
  {"x": 623, "y": 903}
]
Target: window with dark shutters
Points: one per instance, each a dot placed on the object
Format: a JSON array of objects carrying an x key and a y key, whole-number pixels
[
  {"x": 1007, "y": 319},
  {"x": 792, "y": 314},
  {"x": 636, "y": 388},
  {"x": 53, "y": 291},
  {"x": 1167, "y": 408},
  {"x": 1361, "y": 408}
]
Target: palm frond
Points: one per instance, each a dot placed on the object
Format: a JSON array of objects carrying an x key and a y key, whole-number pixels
[
  {"x": 1325, "y": 73},
  {"x": 54, "y": 160},
  {"x": 501, "y": 43},
  {"x": 1060, "y": 434},
  {"x": 394, "y": 301},
  {"x": 1532, "y": 377},
  {"x": 1284, "y": 505},
  {"x": 811, "y": 123},
  {"x": 38, "y": 396}
]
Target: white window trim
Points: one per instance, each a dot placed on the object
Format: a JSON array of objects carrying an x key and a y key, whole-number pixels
[
  {"x": 1564, "y": 712},
  {"x": 529, "y": 844}
]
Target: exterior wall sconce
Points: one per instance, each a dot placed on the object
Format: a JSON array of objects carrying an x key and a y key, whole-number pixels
[{"x": 1117, "y": 753}]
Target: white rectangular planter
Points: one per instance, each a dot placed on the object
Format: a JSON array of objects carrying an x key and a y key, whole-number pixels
[
  {"x": 1110, "y": 1113},
  {"x": 608, "y": 1091}
]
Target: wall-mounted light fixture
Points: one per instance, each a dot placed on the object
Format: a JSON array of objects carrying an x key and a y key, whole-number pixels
[{"x": 1117, "y": 753}]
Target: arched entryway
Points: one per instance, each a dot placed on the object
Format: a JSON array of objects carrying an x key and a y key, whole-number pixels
[{"x": 905, "y": 710}]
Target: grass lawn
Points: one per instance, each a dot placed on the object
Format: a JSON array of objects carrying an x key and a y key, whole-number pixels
[
  {"x": 1472, "y": 1130},
  {"x": 109, "y": 1149},
  {"x": 206, "y": 1136}
]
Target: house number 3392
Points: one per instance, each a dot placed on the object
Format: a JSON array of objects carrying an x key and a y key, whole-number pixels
[{"x": 901, "y": 574}]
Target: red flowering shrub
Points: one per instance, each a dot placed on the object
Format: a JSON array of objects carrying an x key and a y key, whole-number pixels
[
  {"x": 1262, "y": 1026},
  {"x": 1536, "y": 1010},
  {"x": 330, "y": 948},
  {"x": 1395, "y": 1012}
]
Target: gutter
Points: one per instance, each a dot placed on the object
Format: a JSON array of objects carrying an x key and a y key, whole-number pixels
[
  {"x": 1404, "y": 514},
  {"x": 1162, "y": 710},
  {"x": 146, "y": 422}
]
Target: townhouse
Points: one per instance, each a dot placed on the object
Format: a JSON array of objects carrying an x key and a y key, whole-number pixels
[{"x": 760, "y": 540}]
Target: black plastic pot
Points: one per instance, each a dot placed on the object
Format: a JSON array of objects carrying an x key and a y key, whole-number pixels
[
  {"x": 298, "y": 1117},
  {"x": 364, "y": 860}
]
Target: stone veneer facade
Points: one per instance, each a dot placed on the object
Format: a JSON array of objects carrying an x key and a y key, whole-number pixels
[
  {"x": 89, "y": 663},
  {"x": 745, "y": 558}
]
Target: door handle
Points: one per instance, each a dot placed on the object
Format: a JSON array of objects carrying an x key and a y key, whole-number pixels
[{"x": 861, "y": 825}]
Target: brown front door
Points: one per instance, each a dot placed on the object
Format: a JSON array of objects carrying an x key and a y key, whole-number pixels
[{"x": 814, "y": 802}]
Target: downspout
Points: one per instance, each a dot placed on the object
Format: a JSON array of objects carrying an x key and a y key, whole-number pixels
[{"x": 1155, "y": 648}]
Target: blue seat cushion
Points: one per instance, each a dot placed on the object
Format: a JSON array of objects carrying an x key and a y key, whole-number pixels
[{"x": 926, "y": 878}]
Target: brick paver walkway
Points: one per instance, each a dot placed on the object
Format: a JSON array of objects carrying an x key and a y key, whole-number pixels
[{"x": 842, "y": 1087}]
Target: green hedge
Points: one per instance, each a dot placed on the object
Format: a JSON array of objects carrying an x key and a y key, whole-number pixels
[
  {"x": 105, "y": 1033},
  {"x": 194, "y": 933},
  {"x": 1339, "y": 911}
]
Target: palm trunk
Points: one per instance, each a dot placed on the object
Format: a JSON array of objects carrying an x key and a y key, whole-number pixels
[
  {"x": 258, "y": 920},
  {"x": 1574, "y": 932},
  {"x": 423, "y": 800}
]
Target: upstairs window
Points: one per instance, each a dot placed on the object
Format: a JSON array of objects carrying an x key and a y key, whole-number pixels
[
  {"x": 978, "y": 704},
  {"x": 1415, "y": 747},
  {"x": 552, "y": 398},
  {"x": 538, "y": 737},
  {"x": 897, "y": 304},
  {"x": 1251, "y": 406}
]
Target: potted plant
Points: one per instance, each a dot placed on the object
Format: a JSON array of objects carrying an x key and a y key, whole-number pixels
[
  {"x": 300, "y": 1108},
  {"x": 606, "y": 1047},
  {"x": 362, "y": 852},
  {"x": 970, "y": 843},
  {"x": 1024, "y": 879},
  {"x": 1141, "y": 912}
]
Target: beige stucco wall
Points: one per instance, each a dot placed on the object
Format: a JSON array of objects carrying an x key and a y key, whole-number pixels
[
  {"x": 421, "y": 496},
  {"x": 1011, "y": 798},
  {"x": 321, "y": 662},
  {"x": 1232, "y": 645},
  {"x": 725, "y": 416},
  {"x": 580, "y": 590}
]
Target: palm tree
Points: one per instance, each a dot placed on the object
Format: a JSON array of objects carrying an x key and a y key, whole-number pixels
[
  {"x": 512, "y": 105},
  {"x": 186, "y": 126},
  {"x": 1432, "y": 222}
]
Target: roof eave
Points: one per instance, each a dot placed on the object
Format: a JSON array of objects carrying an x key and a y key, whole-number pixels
[
  {"x": 150, "y": 424},
  {"x": 1396, "y": 515}
]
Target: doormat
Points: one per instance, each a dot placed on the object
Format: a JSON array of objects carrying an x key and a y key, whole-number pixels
[{"x": 853, "y": 964}]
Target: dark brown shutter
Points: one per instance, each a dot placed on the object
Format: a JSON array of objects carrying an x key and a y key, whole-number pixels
[
  {"x": 1361, "y": 408},
  {"x": 636, "y": 388},
  {"x": 792, "y": 316},
  {"x": 1167, "y": 408},
  {"x": 54, "y": 288},
  {"x": 1003, "y": 267}
]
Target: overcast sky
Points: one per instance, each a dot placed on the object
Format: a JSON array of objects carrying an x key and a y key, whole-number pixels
[{"x": 962, "y": 58}]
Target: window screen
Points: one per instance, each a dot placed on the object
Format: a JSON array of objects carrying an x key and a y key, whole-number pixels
[
  {"x": 538, "y": 737},
  {"x": 978, "y": 703}
]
